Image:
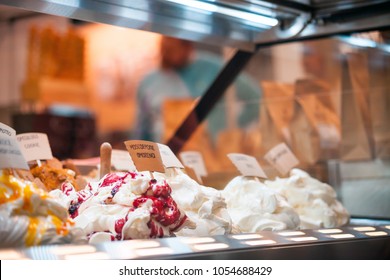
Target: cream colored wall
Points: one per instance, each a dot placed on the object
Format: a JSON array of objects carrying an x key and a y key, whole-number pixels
[
  {"x": 13, "y": 53},
  {"x": 19, "y": 46},
  {"x": 116, "y": 60}
]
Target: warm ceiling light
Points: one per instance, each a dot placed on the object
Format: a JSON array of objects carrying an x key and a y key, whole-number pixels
[
  {"x": 136, "y": 244},
  {"x": 328, "y": 231},
  {"x": 246, "y": 236},
  {"x": 376, "y": 233},
  {"x": 339, "y": 236},
  {"x": 291, "y": 233},
  {"x": 306, "y": 238},
  {"x": 259, "y": 242},
  {"x": 212, "y": 246},
  {"x": 364, "y": 228},
  {"x": 198, "y": 240},
  {"x": 212, "y": 8}
]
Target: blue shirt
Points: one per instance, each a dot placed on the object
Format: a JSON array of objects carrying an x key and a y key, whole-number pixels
[{"x": 191, "y": 81}]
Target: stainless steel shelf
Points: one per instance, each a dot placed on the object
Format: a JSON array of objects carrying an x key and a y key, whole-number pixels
[
  {"x": 216, "y": 22},
  {"x": 353, "y": 242}
]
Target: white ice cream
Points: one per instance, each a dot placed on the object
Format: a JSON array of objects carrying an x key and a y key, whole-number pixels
[
  {"x": 204, "y": 205},
  {"x": 315, "y": 201},
  {"x": 123, "y": 206},
  {"x": 255, "y": 207},
  {"x": 28, "y": 215}
]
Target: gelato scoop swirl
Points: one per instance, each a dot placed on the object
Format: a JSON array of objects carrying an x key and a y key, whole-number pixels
[
  {"x": 315, "y": 202},
  {"x": 255, "y": 207},
  {"x": 204, "y": 205},
  {"x": 28, "y": 214},
  {"x": 122, "y": 206}
]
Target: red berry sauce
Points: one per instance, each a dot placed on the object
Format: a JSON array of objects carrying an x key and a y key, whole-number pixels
[{"x": 164, "y": 211}]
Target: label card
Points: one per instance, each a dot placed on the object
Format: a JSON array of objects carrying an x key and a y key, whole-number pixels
[
  {"x": 195, "y": 161},
  {"x": 34, "y": 146},
  {"x": 168, "y": 157},
  {"x": 10, "y": 154},
  {"x": 6, "y": 131},
  {"x": 247, "y": 165},
  {"x": 281, "y": 158},
  {"x": 145, "y": 155},
  {"x": 122, "y": 161}
]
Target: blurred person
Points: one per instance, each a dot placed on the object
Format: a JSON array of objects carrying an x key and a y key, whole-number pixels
[{"x": 187, "y": 73}]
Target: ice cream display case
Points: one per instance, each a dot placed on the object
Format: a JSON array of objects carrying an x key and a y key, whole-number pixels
[
  {"x": 337, "y": 129},
  {"x": 359, "y": 242}
]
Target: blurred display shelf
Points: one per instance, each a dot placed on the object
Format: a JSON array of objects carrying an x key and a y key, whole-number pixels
[
  {"x": 51, "y": 91},
  {"x": 247, "y": 25}
]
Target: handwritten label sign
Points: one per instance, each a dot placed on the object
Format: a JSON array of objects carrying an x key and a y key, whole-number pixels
[
  {"x": 10, "y": 154},
  {"x": 168, "y": 157},
  {"x": 247, "y": 165},
  {"x": 5, "y": 131},
  {"x": 145, "y": 155},
  {"x": 34, "y": 146},
  {"x": 281, "y": 158},
  {"x": 195, "y": 161}
]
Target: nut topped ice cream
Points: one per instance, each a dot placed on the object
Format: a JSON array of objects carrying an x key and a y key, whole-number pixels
[
  {"x": 29, "y": 215},
  {"x": 255, "y": 207},
  {"x": 203, "y": 205},
  {"x": 124, "y": 205},
  {"x": 53, "y": 174},
  {"x": 315, "y": 202}
]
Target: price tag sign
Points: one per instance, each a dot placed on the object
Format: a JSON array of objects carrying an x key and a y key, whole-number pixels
[
  {"x": 168, "y": 157},
  {"x": 195, "y": 161},
  {"x": 10, "y": 154},
  {"x": 281, "y": 158},
  {"x": 247, "y": 165},
  {"x": 34, "y": 146},
  {"x": 5, "y": 131},
  {"x": 145, "y": 155},
  {"x": 121, "y": 160}
]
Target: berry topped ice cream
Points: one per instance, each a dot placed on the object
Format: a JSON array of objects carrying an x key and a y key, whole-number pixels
[
  {"x": 30, "y": 216},
  {"x": 203, "y": 205},
  {"x": 122, "y": 206},
  {"x": 255, "y": 207},
  {"x": 315, "y": 202}
]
